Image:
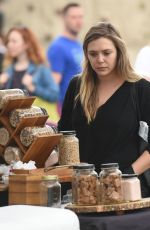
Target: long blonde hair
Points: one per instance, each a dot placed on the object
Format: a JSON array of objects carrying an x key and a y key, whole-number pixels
[{"x": 89, "y": 81}]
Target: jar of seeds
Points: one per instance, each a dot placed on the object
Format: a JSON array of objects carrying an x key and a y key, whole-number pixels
[
  {"x": 68, "y": 148},
  {"x": 7, "y": 94},
  {"x": 4, "y": 136},
  {"x": 84, "y": 185},
  {"x": 12, "y": 153},
  {"x": 29, "y": 134},
  {"x": 110, "y": 183},
  {"x": 17, "y": 114}
]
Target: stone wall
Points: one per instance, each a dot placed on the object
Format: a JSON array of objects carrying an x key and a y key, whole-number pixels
[{"x": 131, "y": 17}]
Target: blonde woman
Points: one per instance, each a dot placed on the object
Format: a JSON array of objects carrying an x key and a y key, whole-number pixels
[{"x": 99, "y": 105}]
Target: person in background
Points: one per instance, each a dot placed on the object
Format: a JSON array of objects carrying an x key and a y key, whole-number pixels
[
  {"x": 142, "y": 62},
  {"x": 65, "y": 52},
  {"x": 27, "y": 68},
  {"x": 2, "y": 51},
  {"x": 99, "y": 106}
]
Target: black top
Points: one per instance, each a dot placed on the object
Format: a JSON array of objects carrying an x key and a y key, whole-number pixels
[
  {"x": 113, "y": 135},
  {"x": 17, "y": 79}
]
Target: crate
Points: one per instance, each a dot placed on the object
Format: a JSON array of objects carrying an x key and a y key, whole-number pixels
[
  {"x": 24, "y": 189},
  {"x": 24, "y": 186}
]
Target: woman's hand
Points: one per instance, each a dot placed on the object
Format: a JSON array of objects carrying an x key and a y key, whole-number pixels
[
  {"x": 27, "y": 82},
  {"x": 3, "y": 78}
]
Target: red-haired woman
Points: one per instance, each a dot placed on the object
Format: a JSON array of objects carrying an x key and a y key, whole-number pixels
[{"x": 27, "y": 69}]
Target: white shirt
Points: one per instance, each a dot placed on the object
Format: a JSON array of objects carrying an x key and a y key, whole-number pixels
[{"x": 142, "y": 63}]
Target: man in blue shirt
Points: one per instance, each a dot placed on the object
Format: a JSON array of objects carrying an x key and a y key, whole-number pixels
[{"x": 65, "y": 52}]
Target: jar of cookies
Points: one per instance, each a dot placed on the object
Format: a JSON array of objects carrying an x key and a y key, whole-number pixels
[
  {"x": 84, "y": 185},
  {"x": 69, "y": 148},
  {"x": 110, "y": 183}
]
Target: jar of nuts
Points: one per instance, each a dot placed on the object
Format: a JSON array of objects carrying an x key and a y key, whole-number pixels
[
  {"x": 69, "y": 148},
  {"x": 84, "y": 185},
  {"x": 110, "y": 183}
]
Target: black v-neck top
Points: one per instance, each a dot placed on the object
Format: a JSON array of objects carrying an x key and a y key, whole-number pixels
[{"x": 113, "y": 135}]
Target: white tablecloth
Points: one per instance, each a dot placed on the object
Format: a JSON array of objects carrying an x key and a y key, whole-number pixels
[{"x": 26, "y": 217}]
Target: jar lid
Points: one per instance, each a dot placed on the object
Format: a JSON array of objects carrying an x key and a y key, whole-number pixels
[
  {"x": 129, "y": 175},
  {"x": 54, "y": 129},
  {"x": 84, "y": 166},
  {"x": 26, "y": 92},
  {"x": 44, "y": 111},
  {"x": 109, "y": 165},
  {"x": 70, "y": 132},
  {"x": 50, "y": 177}
]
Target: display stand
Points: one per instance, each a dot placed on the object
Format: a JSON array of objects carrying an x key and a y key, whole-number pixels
[
  {"x": 42, "y": 146},
  {"x": 119, "y": 208}
]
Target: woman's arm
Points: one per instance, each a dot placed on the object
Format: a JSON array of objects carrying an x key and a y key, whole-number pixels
[
  {"x": 142, "y": 163},
  {"x": 143, "y": 92},
  {"x": 65, "y": 122}
]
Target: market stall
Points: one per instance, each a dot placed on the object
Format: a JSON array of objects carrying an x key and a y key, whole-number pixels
[{"x": 101, "y": 201}]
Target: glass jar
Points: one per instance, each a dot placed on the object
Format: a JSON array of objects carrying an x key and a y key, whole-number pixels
[
  {"x": 69, "y": 148},
  {"x": 17, "y": 114},
  {"x": 4, "y": 136},
  {"x": 12, "y": 153},
  {"x": 84, "y": 185},
  {"x": 50, "y": 191},
  {"x": 110, "y": 183},
  {"x": 131, "y": 187},
  {"x": 7, "y": 94},
  {"x": 29, "y": 134}
]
